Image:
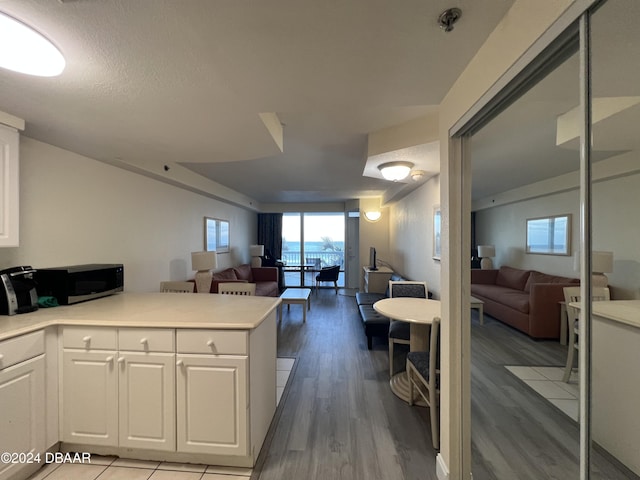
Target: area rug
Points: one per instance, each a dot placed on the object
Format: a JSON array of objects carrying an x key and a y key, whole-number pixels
[{"x": 547, "y": 382}]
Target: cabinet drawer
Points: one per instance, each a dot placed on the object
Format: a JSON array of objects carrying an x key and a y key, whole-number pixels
[
  {"x": 18, "y": 349},
  {"x": 218, "y": 342},
  {"x": 145, "y": 339},
  {"x": 94, "y": 338}
]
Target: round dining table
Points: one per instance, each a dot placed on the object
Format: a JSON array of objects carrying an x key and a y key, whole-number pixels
[{"x": 420, "y": 313}]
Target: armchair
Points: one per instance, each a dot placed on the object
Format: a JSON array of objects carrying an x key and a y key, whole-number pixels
[{"x": 328, "y": 274}]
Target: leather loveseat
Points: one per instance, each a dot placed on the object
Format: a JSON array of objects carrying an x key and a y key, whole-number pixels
[
  {"x": 525, "y": 299},
  {"x": 265, "y": 278}
]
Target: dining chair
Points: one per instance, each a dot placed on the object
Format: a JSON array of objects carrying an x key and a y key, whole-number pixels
[
  {"x": 176, "y": 287},
  {"x": 423, "y": 373},
  {"x": 571, "y": 295},
  {"x": 237, "y": 288},
  {"x": 399, "y": 331},
  {"x": 328, "y": 274}
]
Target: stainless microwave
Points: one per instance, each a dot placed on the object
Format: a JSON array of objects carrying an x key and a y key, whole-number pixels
[{"x": 78, "y": 283}]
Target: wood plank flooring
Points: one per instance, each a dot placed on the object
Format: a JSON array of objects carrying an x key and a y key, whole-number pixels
[{"x": 340, "y": 420}]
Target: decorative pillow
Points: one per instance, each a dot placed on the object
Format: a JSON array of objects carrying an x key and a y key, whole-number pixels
[
  {"x": 538, "y": 277},
  {"x": 228, "y": 274},
  {"x": 512, "y": 277},
  {"x": 243, "y": 272}
]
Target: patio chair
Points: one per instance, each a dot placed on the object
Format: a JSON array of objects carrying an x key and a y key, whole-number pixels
[{"x": 328, "y": 274}]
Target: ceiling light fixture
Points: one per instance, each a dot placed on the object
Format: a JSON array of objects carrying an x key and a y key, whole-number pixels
[
  {"x": 373, "y": 215},
  {"x": 395, "y": 171},
  {"x": 24, "y": 50}
]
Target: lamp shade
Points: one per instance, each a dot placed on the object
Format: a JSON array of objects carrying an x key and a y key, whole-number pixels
[
  {"x": 601, "y": 262},
  {"x": 485, "y": 251},
  {"x": 204, "y": 261},
  {"x": 395, "y": 171},
  {"x": 256, "y": 250}
]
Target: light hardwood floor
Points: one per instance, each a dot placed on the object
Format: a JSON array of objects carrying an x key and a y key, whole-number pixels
[{"x": 340, "y": 420}]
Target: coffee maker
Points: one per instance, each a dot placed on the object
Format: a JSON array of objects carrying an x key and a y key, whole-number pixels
[{"x": 17, "y": 291}]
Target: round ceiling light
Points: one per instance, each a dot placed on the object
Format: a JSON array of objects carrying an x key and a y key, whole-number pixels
[
  {"x": 24, "y": 50},
  {"x": 395, "y": 171}
]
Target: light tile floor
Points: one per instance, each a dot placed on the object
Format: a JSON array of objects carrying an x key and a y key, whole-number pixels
[
  {"x": 547, "y": 381},
  {"x": 113, "y": 468}
]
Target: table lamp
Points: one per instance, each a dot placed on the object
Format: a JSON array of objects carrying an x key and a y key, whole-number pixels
[
  {"x": 485, "y": 252},
  {"x": 256, "y": 252},
  {"x": 203, "y": 263},
  {"x": 601, "y": 263}
]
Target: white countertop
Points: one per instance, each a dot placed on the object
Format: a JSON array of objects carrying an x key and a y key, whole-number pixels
[
  {"x": 622, "y": 311},
  {"x": 174, "y": 310}
]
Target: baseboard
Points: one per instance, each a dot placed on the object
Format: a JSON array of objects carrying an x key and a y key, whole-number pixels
[{"x": 442, "y": 472}]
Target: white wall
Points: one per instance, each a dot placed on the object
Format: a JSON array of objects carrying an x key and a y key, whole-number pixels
[
  {"x": 411, "y": 235},
  {"x": 373, "y": 234},
  {"x": 76, "y": 210},
  {"x": 616, "y": 228}
]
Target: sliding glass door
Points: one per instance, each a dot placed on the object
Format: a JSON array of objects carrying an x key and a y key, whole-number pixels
[
  {"x": 580, "y": 114},
  {"x": 310, "y": 242}
]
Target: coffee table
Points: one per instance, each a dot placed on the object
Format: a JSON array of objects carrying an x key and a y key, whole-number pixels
[
  {"x": 299, "y": 296},
  {"x": 478, "y": 305}
]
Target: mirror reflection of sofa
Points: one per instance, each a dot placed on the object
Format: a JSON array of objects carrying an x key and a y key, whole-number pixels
[{"x": 527, "y": 300}]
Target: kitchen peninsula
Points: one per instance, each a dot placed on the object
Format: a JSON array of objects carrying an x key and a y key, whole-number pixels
[{"x": 157, "y": 376}]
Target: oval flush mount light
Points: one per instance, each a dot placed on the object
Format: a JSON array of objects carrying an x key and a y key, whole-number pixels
[
  {"x": 373, "y": 215},
  {"x": 24, "y": 50},
  {"x": 395, "y": 171}
]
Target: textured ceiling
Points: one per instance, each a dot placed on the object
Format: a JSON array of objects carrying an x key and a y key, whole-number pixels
[{"x": 185, "y": 81}]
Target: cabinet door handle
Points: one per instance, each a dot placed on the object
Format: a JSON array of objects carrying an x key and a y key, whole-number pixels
[
  {"x": 121, "y": 360},
  {"x": 144, "y": 340},
  {"x": 210, "y": 343},
  {"x": 1, "y": 357},
  {"x": 109, "y": 359},
  {"x": 86, "y": 339},
  {"x": 179, "y": 363}
]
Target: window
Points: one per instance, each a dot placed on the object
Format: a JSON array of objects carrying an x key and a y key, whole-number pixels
[{"x": 311, "y": 241}]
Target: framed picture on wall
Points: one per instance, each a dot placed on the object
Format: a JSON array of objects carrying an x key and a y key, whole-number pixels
[
  {"x": 216, "y": 235},
  {"x": 437, "y": 227}
]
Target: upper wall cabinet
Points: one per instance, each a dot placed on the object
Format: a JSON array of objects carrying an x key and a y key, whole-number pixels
[{"x": 9, "y": 187}]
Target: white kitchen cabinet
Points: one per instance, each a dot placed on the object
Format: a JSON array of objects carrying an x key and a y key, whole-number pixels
[
  {"x": 147, "y": 400},
  {"x": 116, "y": 397},
  {"x": 201, "y": 395},
  {"x": 22, "y": 394},
  {"x": 89, "y": 397},
  {"x": 9, "y": 187},
  {"x": 212, "y": 409}
]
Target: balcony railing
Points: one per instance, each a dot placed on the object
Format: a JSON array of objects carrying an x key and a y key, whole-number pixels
[{"x": 294, "y": 261}]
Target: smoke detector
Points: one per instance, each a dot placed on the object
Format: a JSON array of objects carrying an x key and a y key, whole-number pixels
[{"x": 448, "y": 18}]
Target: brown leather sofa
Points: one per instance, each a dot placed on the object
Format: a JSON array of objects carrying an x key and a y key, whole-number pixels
[
  {"x": 525, "y": 299},
  {"x": 265, "y": 278}
]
